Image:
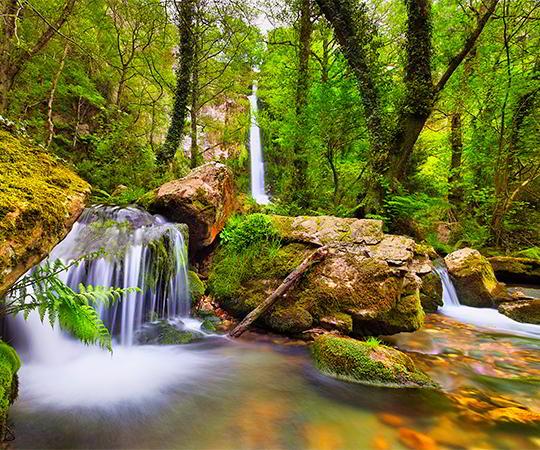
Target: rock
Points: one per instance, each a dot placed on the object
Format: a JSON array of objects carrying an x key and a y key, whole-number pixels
[
  {"x": 289, "y": 320},
  {"x": 431, "y": 292},
  {"x": 40, "y": 199},
  {"x": 322, "y": 230},
  {"x": 474, "y": 278},
  {"x": 525, "y": 311},
  {"x": 196, "y": 286},
  {"x": 167, "y": 333},
  {"x": 204, "y": 200},
  {"x": 361, "y": 362},
  {"x": 370, "y": 286},
  {"x": 520, "y": 270}
]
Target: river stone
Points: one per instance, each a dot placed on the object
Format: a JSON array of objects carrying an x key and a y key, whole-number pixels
[
  {"x": 431, "y": 292},
  {"x": 525, "y": 311},
  {"x": 511, "y": 269},
  {"x": 321, "y": 230},
  {"x": 204, "y": 200},
  {"x": 474, "y": 278},
  {"x": 362, "y": 362}
]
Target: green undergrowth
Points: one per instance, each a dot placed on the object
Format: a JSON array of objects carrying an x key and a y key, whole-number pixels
[{"x": 9, "y": 365}]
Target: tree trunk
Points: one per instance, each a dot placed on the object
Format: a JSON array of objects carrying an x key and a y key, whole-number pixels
[
  {"x": 50, "y": 102},
  {"x": 194, "y": 122},
  {"x": 186, "y": 12},
  {"x": 300, "y": 161},
  {"x": 289, "y": 282},
  {"x": 455, "y": 194}
]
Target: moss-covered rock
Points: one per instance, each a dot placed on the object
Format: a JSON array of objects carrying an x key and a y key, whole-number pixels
[
  {"x": 362, "y": 362},
  {"x": 474, "y": 278},
  {"x": 516, "y": 270},
  {"x": 40, "y": 199},
  {"x": 354, "y": 280},
  {"x": 431, "y": 292},
  {"x": 525, "y": 311},
  {"x": 196, "y": 286},
  {"x": 289, "y": 320},
  {"x": 9, "y": 365}
]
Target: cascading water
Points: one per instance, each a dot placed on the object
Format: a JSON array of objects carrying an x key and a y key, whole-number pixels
[
  {"x": 481, "y": 317},
  {"x": 141, "y": 250},
  {"x": 258, "y": 191}
]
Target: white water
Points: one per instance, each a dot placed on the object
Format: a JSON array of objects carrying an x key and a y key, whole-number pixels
[
  {"x": 258, "y": 191},
  {"x": 481, "y": 317},
  {"x": 60, "y": 372}
]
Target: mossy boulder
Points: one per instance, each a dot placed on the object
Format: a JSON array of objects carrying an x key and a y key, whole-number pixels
[
  {"x": 525, "y": 311},
  {"x": 431, "y": 292},
  {"x": 516, "y": 270},
  {"x": 40, "y": 199},
  {"x": 474, "y": 279},
  {"x": 328, "y": 229},
  {"x": 9, "y": 365},
  {"x": 377, "y": 296},
  {"x": 196, "y": 286},
  {"x": 204, "y": 200},
  {"x": 363, "y": 362},
  {"x": 164, "y": 332}
]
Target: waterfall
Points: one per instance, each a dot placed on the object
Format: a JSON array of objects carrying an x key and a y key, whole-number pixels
[
  {"x": 481, "y": 317},
  {"x": 141, "y": 250},
  {"x": 258, "y": 191}
]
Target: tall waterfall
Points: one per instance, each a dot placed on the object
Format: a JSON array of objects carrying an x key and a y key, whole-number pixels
[
  {"x": 258, "y": 191},
  {"x": 141, "y": 250},
  {"x": 481, "y": 317}
]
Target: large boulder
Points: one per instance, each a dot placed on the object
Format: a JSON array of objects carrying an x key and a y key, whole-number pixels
[
  {"x": 367, "y": 362},
  {"x": 516, "y": 270},
  {"x": 40, "y": 199},
  {"x": 365, "y": 286},
  {"x": 204, "y": 200},
  {"x": 526, "y": 311},
  {"x": 474, "y": 279}
]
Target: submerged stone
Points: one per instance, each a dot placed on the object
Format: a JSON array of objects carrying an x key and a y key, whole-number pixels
[{"x": 364, "y": 362}]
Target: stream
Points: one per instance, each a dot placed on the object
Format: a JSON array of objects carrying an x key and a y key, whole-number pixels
[{"x": 260, "y": 392}]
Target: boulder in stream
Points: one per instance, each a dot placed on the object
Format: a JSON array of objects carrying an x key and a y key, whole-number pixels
[
  {"x": 204, "y": 200},
  {"x": 367, "y": 284},
  {"x": 525, "y": 311},
  {"x": 474, "y": 279},
  {"x": 367, "y": 362},
  {"x": 516, "y": 270}
]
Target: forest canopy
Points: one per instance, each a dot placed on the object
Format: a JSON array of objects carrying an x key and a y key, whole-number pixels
[{"x": 424, "y": 113}]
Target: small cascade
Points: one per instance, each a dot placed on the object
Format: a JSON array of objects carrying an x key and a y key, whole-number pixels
[
  {"x": 481, "y": 317},
  {"x": 258, "y": 191},
  {"x": 140, "y": 250}
]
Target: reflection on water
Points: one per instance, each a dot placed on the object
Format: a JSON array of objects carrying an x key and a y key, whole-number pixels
[{"x": 256, "y": 394}]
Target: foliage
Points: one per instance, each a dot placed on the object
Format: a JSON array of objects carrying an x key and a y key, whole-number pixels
[
  {"x": 373, "y": 342},
  {"x": 43, "y": 291},
  {"x": 243, "y": 232}
]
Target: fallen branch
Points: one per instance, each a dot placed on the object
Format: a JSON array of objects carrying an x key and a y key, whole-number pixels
[{"x": 317, "y": 256}]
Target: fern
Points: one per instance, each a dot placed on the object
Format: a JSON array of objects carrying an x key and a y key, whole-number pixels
[{"x": 43, "y": 291}]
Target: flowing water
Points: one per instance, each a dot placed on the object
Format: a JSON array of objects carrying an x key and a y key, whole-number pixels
[
  {"x": 258, "y": 191},
  {"x": 261, "y": 392}
]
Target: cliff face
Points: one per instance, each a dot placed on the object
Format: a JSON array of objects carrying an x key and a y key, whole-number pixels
[{"x": 40, "y": 199}]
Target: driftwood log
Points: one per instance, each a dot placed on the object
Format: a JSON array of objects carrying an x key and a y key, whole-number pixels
[{"x": 289, "y": 282}]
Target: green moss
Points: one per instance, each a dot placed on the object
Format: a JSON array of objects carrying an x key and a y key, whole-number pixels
[
  {"x": 358, "y": 361},
  {"x": 197, "y": 287},
  {"x": 36, "y": 192},
  {"x": 289, "y": 319},
  {"x": 144, "y": 201},
  {"x": 9, "y": 365},
  {"x": 170, "y": 335}
]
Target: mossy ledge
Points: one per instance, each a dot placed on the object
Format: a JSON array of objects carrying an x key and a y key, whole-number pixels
[
  {"x": 9, "y": 365},
  {"x": 361, "y": 362},
  {"x": 40, "y": 199}
]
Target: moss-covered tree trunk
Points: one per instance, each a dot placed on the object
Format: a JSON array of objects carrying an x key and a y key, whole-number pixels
[
  {"x": 300, "y": 188},
  {"x": 186, "y": 16}
]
